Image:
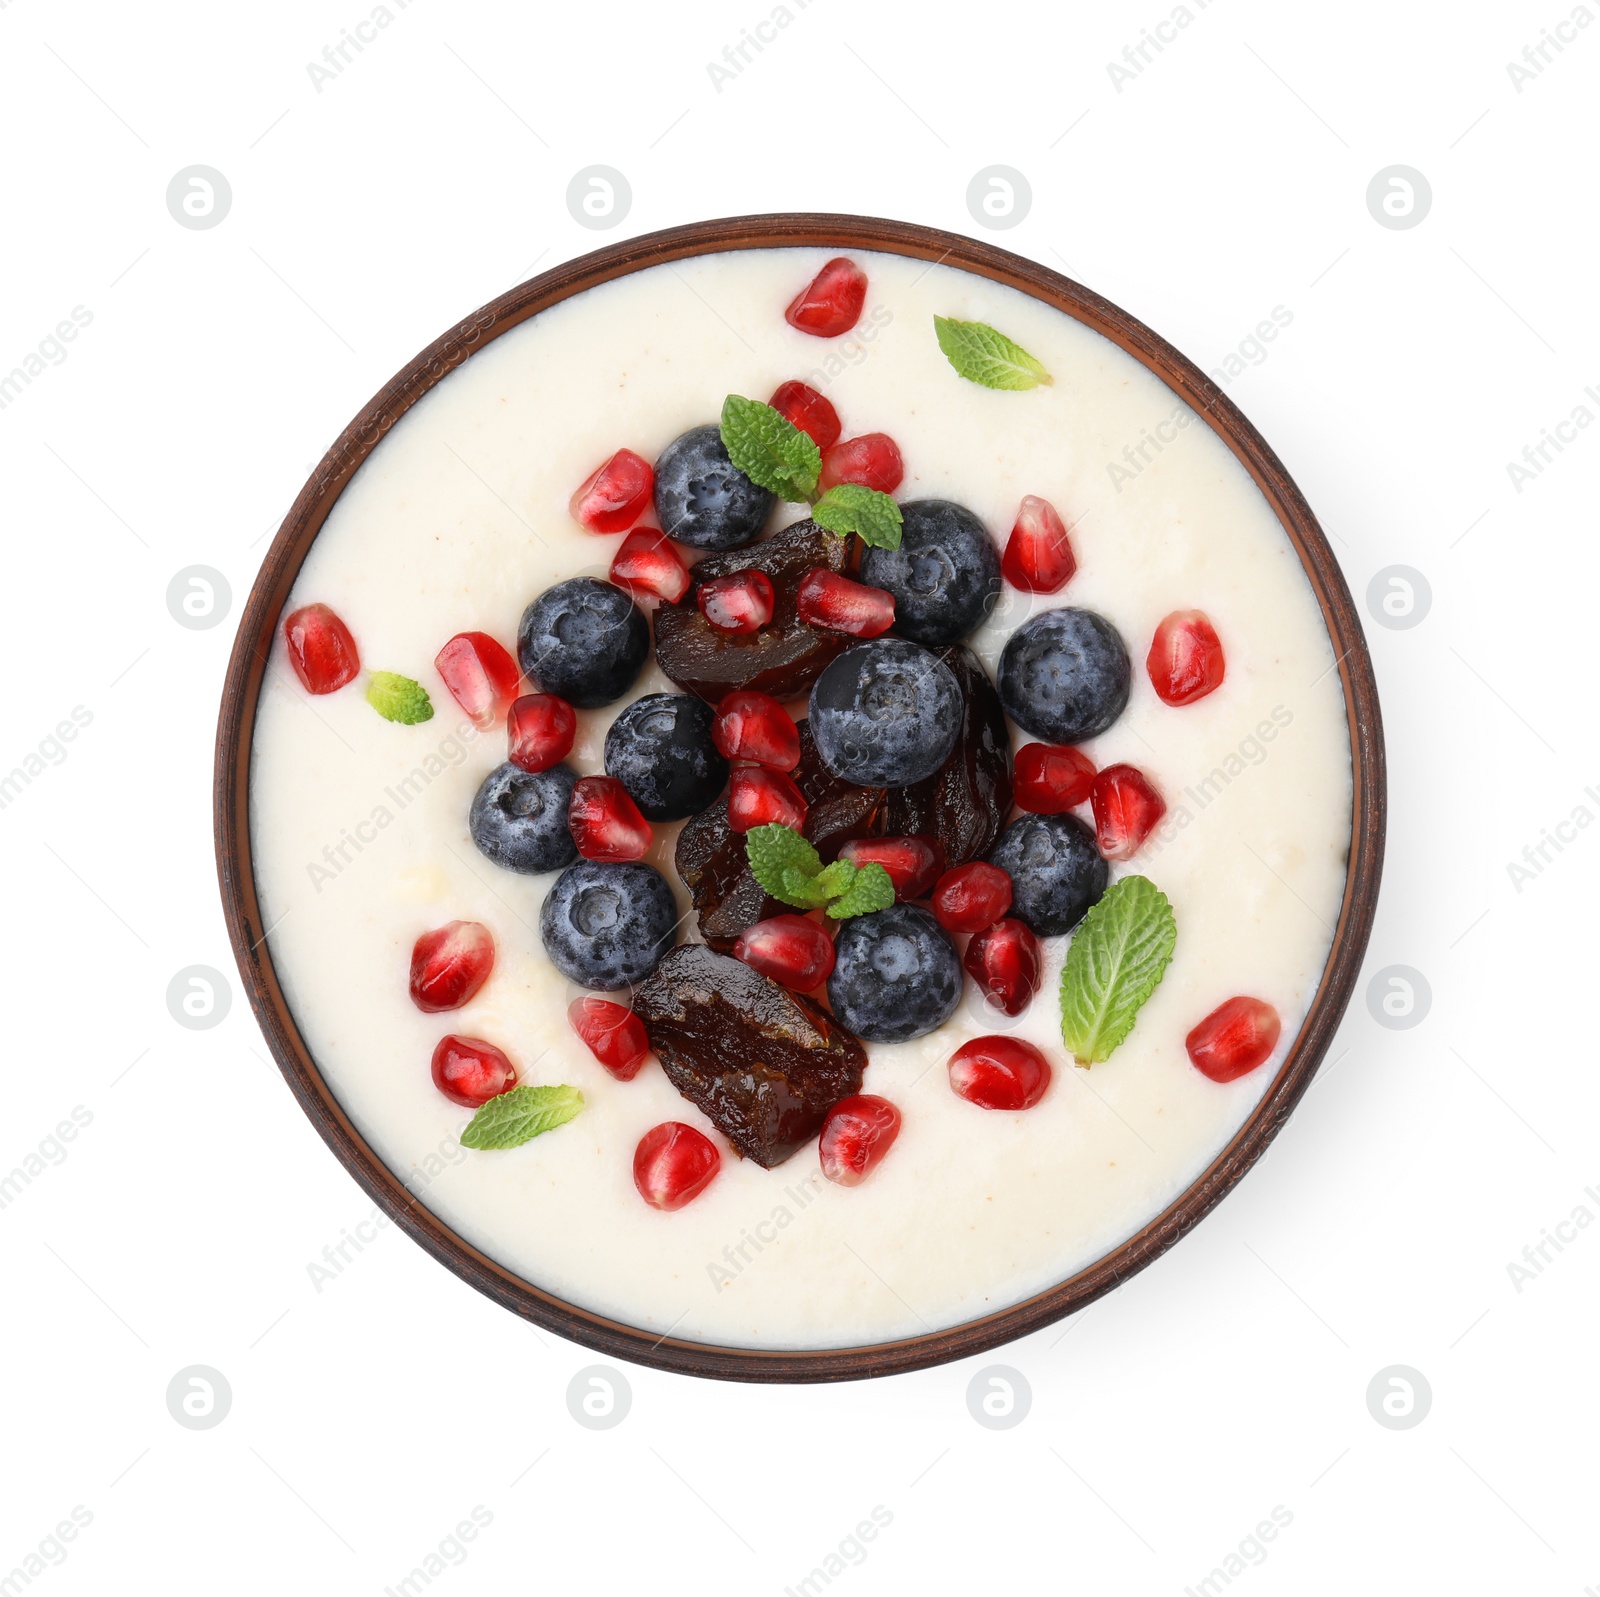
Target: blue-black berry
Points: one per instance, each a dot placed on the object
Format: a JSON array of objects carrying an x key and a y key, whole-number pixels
[
  {"x": 945, "y": 576},
  {"x": 1065, "y": 675},
  {"x": 519, "y": 818},
  {"x": 895, "y": 975},
  {"x": 608, "y": 926},
  {"x": 660, "y": 749},
  {"x": 885, "y": 714},
  {"x": 702, "y": 498},
  {"x": 584, "y": 641},
  {"x": 1057, "y": 874}
]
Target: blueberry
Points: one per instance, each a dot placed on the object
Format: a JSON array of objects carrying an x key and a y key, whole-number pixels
[
  {"x": 584, "y": 641},
  {"x": 702, "y": 498},
  {"x": 945, "y": 576},
  {"x": 519, "y": 818},
  {"x": 608, "y": 926},
  {"x": 660, "y": 749},
  {"x": 1064, "y": 675},
  {"x": 885, "y": 714},
  {"x": 895, "y": 975},
  {"x": 1057, "y": 874}
]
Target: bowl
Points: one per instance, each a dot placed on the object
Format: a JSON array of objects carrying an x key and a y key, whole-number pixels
[{"x": 248, "y": 664}]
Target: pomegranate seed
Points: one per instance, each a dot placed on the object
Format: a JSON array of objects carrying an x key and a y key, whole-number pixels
[
  {"x": 321, "y": 649},
  {"x": 754, "y": 726},
  {"x": 792, "y": 950},
  {"x": 1185, "y": 660},
  {"x": 674, "y": 1164},
  {"x": 1038, "y": 557},
  {"x": 809, "y": 411},
  {"x": 971, "y": 897},
  {"x": 999, "y": 1073},
  {"x": 481, "y": 676},
  {"x": 615, "y": 1035},
  {"x": 759, "y": 797},
  {"x": 1050, "y": 779},
  {"x": 856, "y": 1134},
  {"x": 840, "y": 605},
  {"x": 742, "y": 601},
  {"x": 540, "y": 729},
  {"x": 1003, "y": 960},
  {"x": 1126, "y": 810},
  {"x": 614, "y": 496},
  {"x": 913, "y": 863},
  {"x": 1234, "y": 1039},
  {"x": 646, "y": 564},
  {"x": 831, "y": 302},
  {"x": 605, "y": 822},
  {"x": 470, "y": 1072},
  {"x": 449, "y": 965},
  {"x": 873, "y": 460}
]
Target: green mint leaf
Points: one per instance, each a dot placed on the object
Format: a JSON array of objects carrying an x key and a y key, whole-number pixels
[
  {"x": 871, "y": 889},
  {"x": 520, "y": 1115},
  {"x": 769, "y": 449},
  {"x": 982, "y": 355},
  {"x": 836, "y": 878},
  {"x": 773, "y": 850},
  {"x": 1118, "y": 955},
  {"x": 804, "y": 892},
  {"x": 398, "y": 698},
  {"x": 873, "y": 517}
]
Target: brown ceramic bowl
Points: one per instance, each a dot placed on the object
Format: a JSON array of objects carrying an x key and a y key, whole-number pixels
[{"x": 248, "y": 665}]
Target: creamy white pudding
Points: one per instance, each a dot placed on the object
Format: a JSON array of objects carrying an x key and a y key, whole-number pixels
[{"x": 360, "y": 837}]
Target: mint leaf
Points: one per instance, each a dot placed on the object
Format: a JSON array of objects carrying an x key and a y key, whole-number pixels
[
  {"x": 836, "y": 878},
  {"x": 871, "y": 889},
  {"x": 804, "y": 892},
  {"x": 982, "y": 355},
  {"x": 769, "y": 449},
  {"x": 773, "y": 850},
  {"x": 1118, "y": 955},
  {"x": 520, "y": 1115},
  {"x": 873, "y": 517},
  {"x": 398, "y": 698}
]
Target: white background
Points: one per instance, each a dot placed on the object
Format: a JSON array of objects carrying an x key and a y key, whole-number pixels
[{"x": 1228, "y": 178}]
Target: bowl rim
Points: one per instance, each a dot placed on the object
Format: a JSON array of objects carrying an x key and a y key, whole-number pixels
[{"x": 247, "y": 667}]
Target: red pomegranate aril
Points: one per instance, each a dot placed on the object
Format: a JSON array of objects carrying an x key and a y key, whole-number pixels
[
  {"x": 540, "y": 729},
  {"x": 1050, "y": 778},
  {"x": 913, "y": 863},
  {"x": 614, "y": 496},
  {"x": 321, "y": 649},
  {"x": 873, "y": 460},
  {"x": 971, "y": 897},
  {"x": 754, "y": 726},
  {"x": 470, "y": 1072},
  {"x": 1185, "y": 660},
  {"x": 613, "y": 1033},
  {"x": 1127, "y": 810},
  {"x": 742, "y": 601},
  {"x": 759, "y": 797},
  {"x": 449, "y": 965},
  {"x": 795, "y": 952},
  {"x": 856, "y": 1134},
  {"x": 481, "y": 676},
  {"x": 605, "y": 822},
  {"x": 806, "y": 409},
  {"x": 999, "y": 1073},
  {"x": 831, "y": 302},
  {"x": 674, "y": 1164},
  {"x": 646, "y": 564},
  {"x": 1038, "y": 557},
  {"x": 1003, "y": 960},
  {"x": 1234, "y": 1039},
  {"x": 837, "y": 604}
]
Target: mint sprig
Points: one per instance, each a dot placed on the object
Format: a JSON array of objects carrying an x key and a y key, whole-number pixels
[
  {"x": 398, "y": 698},
  {"x": 984, "y": 356},
  {"x": 769, "y": 449},
  {"x": 1118, "y": 956},
  {"x": 851, "y": 507},
  {"x": 791, "y": 870},
  {"x": 520, "y": 1115}
]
